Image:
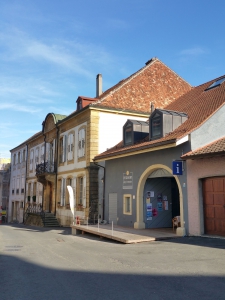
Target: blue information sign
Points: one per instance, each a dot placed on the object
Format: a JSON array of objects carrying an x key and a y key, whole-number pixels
[{"x": 177, "y": 167}]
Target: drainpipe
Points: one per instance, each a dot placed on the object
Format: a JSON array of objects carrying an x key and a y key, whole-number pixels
[
  {"x": 103, "y": 198},
  {"x": 56, "y": 167},
  {"x": 25, "y": 188}
]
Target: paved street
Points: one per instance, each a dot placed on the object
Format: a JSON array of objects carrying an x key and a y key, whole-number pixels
[{"x": 40, "y": 263}]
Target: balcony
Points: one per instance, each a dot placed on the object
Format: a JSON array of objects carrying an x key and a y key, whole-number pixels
[
  {"x": 46, "y": 171},
  {"x": 46, "y": 167}
]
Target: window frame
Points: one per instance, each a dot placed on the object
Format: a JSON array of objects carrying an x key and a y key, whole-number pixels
[
  {"x": 152, "y": 118},
  {"x": 81, "y": 145},
  {"x": 70, "y": 146},
  {"x": 125, "y": 210},
  {"x": 128, "y": 128}
]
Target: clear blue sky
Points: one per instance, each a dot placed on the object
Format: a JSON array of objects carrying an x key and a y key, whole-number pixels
[{"x": 51, "y": 51}]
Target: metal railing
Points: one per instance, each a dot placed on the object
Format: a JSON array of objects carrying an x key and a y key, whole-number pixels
[
  {"x": 46, "y": 167},
  {"x": 34, "y": 209}
]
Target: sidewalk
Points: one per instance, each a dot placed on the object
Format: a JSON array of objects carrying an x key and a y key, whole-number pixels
[{"x": 124, "y": 234}]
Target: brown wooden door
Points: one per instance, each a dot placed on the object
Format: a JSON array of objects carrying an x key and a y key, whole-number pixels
[{"x": 214, "y": 205}]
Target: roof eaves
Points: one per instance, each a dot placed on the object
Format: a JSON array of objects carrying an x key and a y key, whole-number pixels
[
  {"x": 130, "y": 150},
  {"x": 202, "y": 155}
]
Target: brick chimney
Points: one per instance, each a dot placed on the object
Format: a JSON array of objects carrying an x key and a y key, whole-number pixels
[{"x": 98, "y": 85}]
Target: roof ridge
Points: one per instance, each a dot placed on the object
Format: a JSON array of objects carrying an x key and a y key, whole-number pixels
[
  {"x": 134, "y": 75},
  {"x": 126, "y": 80}
]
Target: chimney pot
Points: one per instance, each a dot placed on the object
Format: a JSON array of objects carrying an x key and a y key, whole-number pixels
[{"x": 98, "y": 85}]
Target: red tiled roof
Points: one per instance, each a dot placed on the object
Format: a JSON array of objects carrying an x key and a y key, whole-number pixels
[
  {"x": 215, "y": 148},
  {"x": 153, "y": 83},
  {"x": 198, "y": 104}
]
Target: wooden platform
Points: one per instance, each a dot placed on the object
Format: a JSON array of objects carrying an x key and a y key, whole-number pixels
[{"x": 125, "y": 235}]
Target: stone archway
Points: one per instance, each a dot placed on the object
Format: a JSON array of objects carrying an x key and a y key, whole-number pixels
[{"x": 139, "y": 224}]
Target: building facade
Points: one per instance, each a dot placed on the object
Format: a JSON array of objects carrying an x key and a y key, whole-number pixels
[{"x": 62, "y": 153}]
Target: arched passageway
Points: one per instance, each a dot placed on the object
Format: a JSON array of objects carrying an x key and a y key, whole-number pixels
[{"x": 168, "y": 182}]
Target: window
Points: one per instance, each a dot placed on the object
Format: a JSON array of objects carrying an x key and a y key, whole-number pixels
[
  {"x": 13, "y": 185},
  {"x": 37, "y": 155},
  {"x": 34, "y": 191},
  {"x": 81, "y": 142},
  {"x": 31, "y": 159},
  {"x": 17, "y": 185},
  {"x": 216, "y": 83},
  {"x": 62, "y": 149},
  {"x": 42, "y": 153},
  {"x": 156, "y": 126},
  {"x": 22, "y": 184},
  {"x": 70, "y": 146},
  {"x": 19, "y": 158},
  {"x": 14, "y": 159},
  {"x": 24, "y": 155},
  {"x": 128, "y": 134},
  {"x": 62, "y": 192},
  {"x": 127, "y": 204},
  {"x": 80, "y": 190},
  {"x": 69, "y": 182}
]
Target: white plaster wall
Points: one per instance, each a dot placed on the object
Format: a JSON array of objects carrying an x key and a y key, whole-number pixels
[
  {"x": 17, "y": 170},
  {"x": 198, "y": 169},
  {"x": 211, "y": 130},
  {"x": 111, "y": 129}
]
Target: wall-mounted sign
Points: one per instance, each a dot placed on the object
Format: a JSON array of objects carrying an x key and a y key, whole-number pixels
[
  {"x": 177, "y": 167},
  {"x": 150, "y": 194},
  {"x": 127, "y": 180},
  {"x": 159, "y": 206},
  {"x": 149, "y": 211}
]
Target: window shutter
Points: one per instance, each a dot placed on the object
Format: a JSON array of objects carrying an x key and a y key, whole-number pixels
[
  {"x": 74, "y": 189},
  {"x": 18, "y": 183},
  {"x": 69, "y": 148},
  {"x": 37, "y": 155},
  {"x": 84, "y": 191},
  {"x": 83, "y": 142},
  {"x": 42, "y": 153},
  {"x": 22, "y": 182},
  {"x": 64, "y": 191},
  {"x": 48, "y": 149},
  {"x": 53, "y": 151},
  {"x": 64, "y": 149},
  {"x": 31, "y": 160}
]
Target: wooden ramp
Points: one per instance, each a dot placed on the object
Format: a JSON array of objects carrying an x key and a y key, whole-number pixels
[{"x": 125, "y": 235}]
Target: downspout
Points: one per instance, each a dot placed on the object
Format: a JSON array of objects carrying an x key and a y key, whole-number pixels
[
  {"x": 25, "y": 188},
  {"x": 103, "y": 197},
  {"x": 56, "y": 167},
  {"x": 43, "y": 191}
]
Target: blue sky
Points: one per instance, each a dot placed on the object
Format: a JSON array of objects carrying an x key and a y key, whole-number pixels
[{"x": 51, "y": 51}]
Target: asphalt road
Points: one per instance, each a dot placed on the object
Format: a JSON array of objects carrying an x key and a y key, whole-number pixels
[{"x": 39, "y": 263}]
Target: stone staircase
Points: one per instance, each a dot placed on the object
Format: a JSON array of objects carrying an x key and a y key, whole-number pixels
[
  {"x": 49, "y": 220},
  {"x": 45, "y": 220}
]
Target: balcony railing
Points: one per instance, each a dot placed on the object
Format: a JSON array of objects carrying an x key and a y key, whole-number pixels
[{"x": 46, "y": 167}]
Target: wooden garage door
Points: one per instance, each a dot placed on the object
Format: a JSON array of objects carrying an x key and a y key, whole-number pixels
[{"x": 214, "y": 205}]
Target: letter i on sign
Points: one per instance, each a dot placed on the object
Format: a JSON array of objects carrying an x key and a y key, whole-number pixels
[{"x": 178, "y": 170}]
